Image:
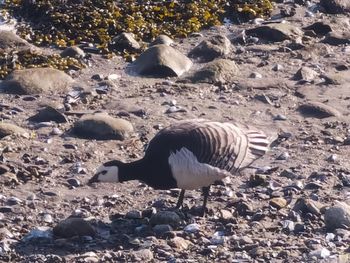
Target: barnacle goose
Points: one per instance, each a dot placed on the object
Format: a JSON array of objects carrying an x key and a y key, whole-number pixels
[{"x": 189, "y": 155}]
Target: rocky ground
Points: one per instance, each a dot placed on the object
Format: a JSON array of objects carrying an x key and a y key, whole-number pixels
[{"x": 288, "y": 75}]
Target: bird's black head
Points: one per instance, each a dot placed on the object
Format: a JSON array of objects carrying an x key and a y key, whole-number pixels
[{"x": 108, "y": 172}]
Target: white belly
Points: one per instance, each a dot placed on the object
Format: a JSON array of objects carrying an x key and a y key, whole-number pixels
[{"x": 191, "y": 174}]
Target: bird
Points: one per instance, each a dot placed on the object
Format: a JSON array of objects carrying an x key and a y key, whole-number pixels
[{"x": 190, "y": 154}]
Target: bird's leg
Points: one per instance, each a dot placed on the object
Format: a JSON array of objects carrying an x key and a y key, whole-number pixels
[
  {"x": 205, "y": 194},
  {"x": 181, "y": 199}
]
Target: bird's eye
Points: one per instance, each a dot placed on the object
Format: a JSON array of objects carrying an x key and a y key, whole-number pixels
[{"x": 103, "y": 172}]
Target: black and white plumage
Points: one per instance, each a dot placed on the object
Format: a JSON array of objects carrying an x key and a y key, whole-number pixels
[{"x": 189, "y": 155}]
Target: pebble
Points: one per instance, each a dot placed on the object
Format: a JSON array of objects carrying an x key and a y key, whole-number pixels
[
  {"x": 320, "y": 253},
  {"x": 280, "y": 117},
  {"x": 277, "y": 67},
  {"x": 161, "y": 229},
  {"x": 47, "y": 218},
  {"x": 13, "y": 200},
  {"x": 179, "y": 243},
  {"x": 6, "y": 209},
  {"x": 73, "y": 182},
  {"x": 218, "y": 238},
  {"x": 192, "y": 228},
  {"x": 255, "y": 75},
  {"x": 278, "y": 202},
  {"x": 283, "y": 156},
  {"x": 332, "y": 158}
]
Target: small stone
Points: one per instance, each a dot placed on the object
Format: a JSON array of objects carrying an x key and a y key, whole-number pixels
[
  {"x": 283, "y": 156},
  {"x": 134, "y": 214},
  {"x": 337, "y": 216},
  {"x": 73, "y": 227},
  {"x": 145, "y": 255},
  {"x": 73, "y": 182},
  {"x": 162, "y": 39},
  {"x": 280, "y": 117},
  {"x": 113, "y": 77},
  {"x": 278, "y": 202},
  {"x": 126, "y": 41},
  {"x": 74, "y": 52},
  {"x": 306, "y": 74},
  {"x": 192, "y": 228},
  {"x": 161, "y": 229},
  {"x": 179, "y": 243},
  {"x": 47, "y": 218},
  {"x": 332, "y": 158},
  {"x": 305, "y": 206},
  {"x": 318, "y": 110},
  {"x": 56, "y": 131},
  {"x": 225, "y": 215},
  {"x": 13, "y": 201},
  {"x": 320, "y": 253},
  {"x": 277, "y": 67},
  {"x": 48, "y": 114},
  {"x": 218, "y": 238},
  {"x": 289, "y": 174},
  {"x": 288, "y": 225},
  {"x": 255, "y": 75},
  {"x": 6, "y": 209}
]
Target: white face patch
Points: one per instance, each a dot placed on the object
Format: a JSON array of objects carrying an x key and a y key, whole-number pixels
[
  {"x": 191, "y": 174},
  {"x": 108, "y": 174}
]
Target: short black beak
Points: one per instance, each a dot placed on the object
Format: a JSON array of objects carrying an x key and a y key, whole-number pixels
[{"x": 93, "y": 179}]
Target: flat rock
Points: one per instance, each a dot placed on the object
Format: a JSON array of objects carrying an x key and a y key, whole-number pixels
[
  {"x": 304, "y": 206},
  {"x": 71, "y": 227},
  {"x": 161, "y": 61},
  {"x": 48, "y": 114},
  {"x": 336, "y": 6},
  {"x": 337, "y": 216},
  {"x": 211, "y": 48},
  {"x": 276, "y": 32},
  {"x": 318, "y": 110},
  {"x": 36, "y": 81},
  {"x": 165, "y": 218},
  {"x": 101, "y": 126},
  {"x": 337, "y": 38},
  {"x": 11, "y": 129},
  {"x": 217, "y": 71},
  {"x": 9, "y": 40},
  {"x": 126, "y": 41},
  {"x": 278, "y": 202}
]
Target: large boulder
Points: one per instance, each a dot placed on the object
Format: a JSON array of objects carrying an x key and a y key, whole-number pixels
[
  {"x": 161, "y": 61},
  {"x": 9, "y": 40},
  {"x": 36, "y": 81}
]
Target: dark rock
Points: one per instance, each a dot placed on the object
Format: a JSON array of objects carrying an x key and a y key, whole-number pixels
[
  {"x": 161, "y": 61},
  {"x": 48, "y": 114},
  {"x": 102, "y": 127},
  {"x": 337, "y": 216},
  {"x": 211, "y": 48},
  {"x": 11, "y": 129},
  {"x": 36, "y": 81},
  {"x": 71, "y": 227},
  {"x": 320, "y": 28},
  {"x": 161, "y": 229},
  {"x": 337, "y": 38},
  {"x": 217, "y": 71},
  {"x": 318, "y": 110},
  {"x": 6, "y": 209},
  {"x": 74, "y": 52},
  {"x": 126, "y": 41},
  {"x": 73, "y": 182},
  {"x": 165, "y": 218},
  {"x": 336, "y": 6},
  {"x": 304, "y": 206},
  {"x": 276, "y": 32}
]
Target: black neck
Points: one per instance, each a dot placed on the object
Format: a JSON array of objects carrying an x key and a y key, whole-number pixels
[{"x": 132, "y": 171}]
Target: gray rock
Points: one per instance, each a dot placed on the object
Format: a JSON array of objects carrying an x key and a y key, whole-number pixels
[
  {"x": 165, "y": 217},
  {"x": 9, "y": 40},
  {"x": 305, "y": 74},
  {"x": 337, "y": 216},
  {"x": 101, "y": 126},
  {"x": 211, "y": 48},
  {"x": 36, "y": 81},
  {"x": 320, "y": 253},
  {"x": 126, "y": 41},
  {"x": 304, "y": 206},
  {"x": 161, "y": 229},
  {"x": 47, "y": 114},
  {"x": 161, "y": 61},
  {"x": 217, "y": 71},
  {"x": 73, "y": 182},
  {"x": 11, "y": 129},
  {"x": 162, "y": 39},
  {"x": 192, "y": 228},
  {"x": 276, "y": 32},
  {"x": 179, "y": 243},
  {"x": 318, "y": 110},
  {"x": 337, "y": 38},
  {"x": 71, "y": 227},
  {"x": 39, "y": 234},
  {"x": 336, "y": 6},
  {"x": 145, "y": 255},
  {"x": 73, "y": 52}
]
